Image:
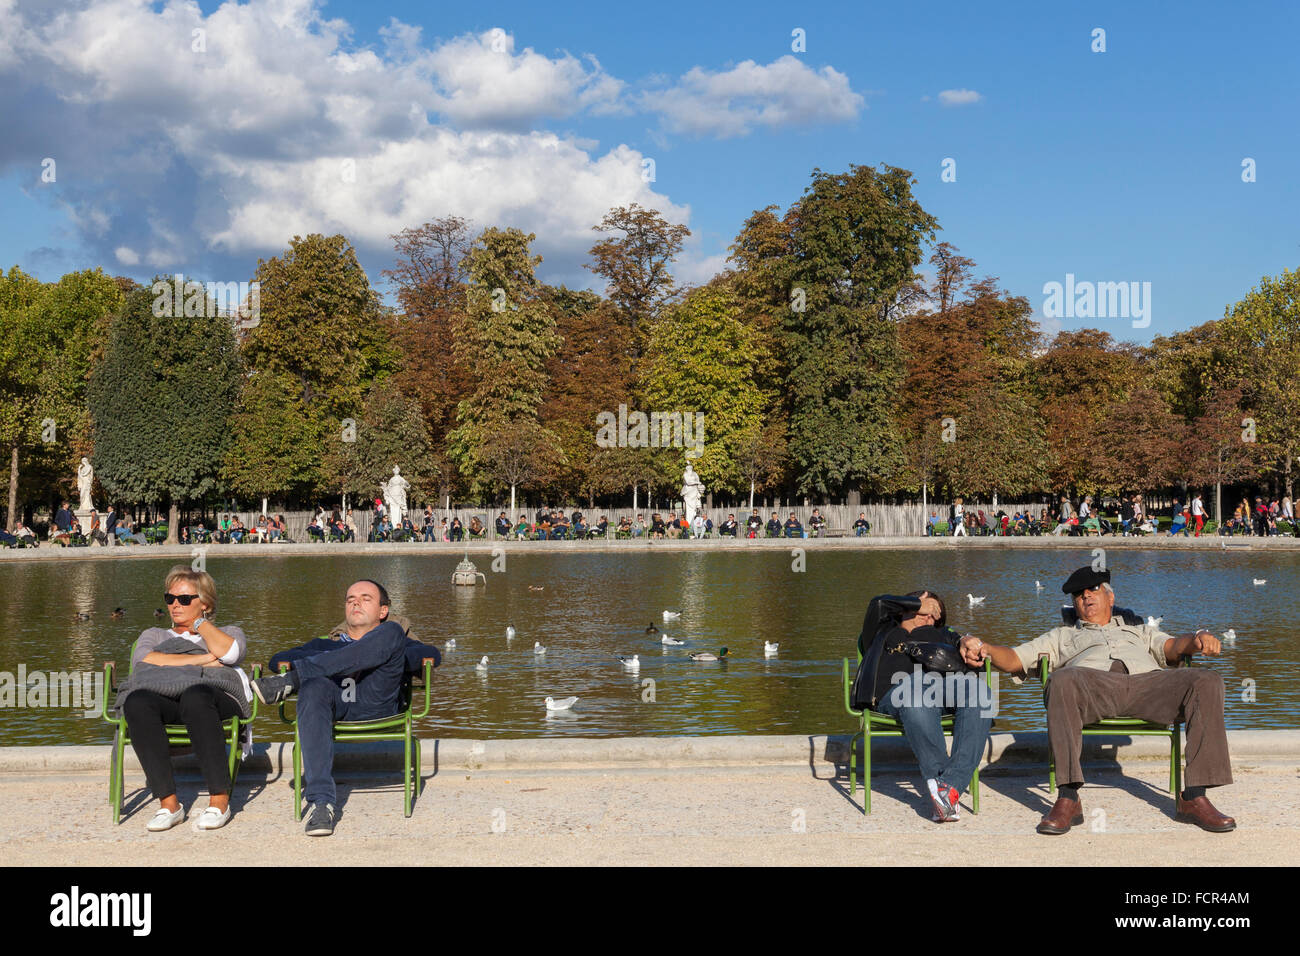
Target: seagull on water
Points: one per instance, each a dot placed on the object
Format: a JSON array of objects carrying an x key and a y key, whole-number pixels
[
  {"x": 974, "y": 601},
  {"x": 1154, "y": 621},
  {"x": 770, "y": 649},
  {"x": 482, "y": 665},
  {"x": 672, "y": 615},
  {"x": 671, "y": 641},
  {"x": 632, "y": 663},
  {"x": 1260, "y": 582},
  {"x": 450, "y": 645},
  {"x": 1038, "y": 585},
  {"x": 537, "y": 648},
  {"x": 564, "y": 703},
  {"x": 510, "y": 632},
  {"x": 1230, "y": 636}
]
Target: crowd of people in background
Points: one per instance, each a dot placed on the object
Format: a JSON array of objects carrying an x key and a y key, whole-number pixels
[{"x": 1125, "y": 516}]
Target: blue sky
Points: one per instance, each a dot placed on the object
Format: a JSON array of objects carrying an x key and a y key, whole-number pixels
[{"x": 1115, "y": 166}]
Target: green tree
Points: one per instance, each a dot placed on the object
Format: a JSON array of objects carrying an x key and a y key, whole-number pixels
[
  {"x": 1262, "y": 338},
  {"x": 48, "y": 333},
  {"x": 390, "y": 432},
  {"x": 700, "y": 364},
  {"x": 160, "y": 401},
  {"x": 636, "y": 265},
  {"x": 277, "y": 440},
  {"x": 508, "y": 337},
  {"x": 321, "y": 324},
  {"x": 855, "y": 244}
]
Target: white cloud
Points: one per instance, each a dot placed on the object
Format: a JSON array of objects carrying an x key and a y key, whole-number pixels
[
  {"x": 733, "y": 102},
  {"x": 172, "y": 157},
  {"x": 959, "y": 97}
]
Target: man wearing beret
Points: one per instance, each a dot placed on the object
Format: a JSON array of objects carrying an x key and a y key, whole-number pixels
[{"x": 1102, "y": 667}]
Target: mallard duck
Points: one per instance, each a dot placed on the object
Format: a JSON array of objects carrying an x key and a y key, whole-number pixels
[
  {"x": 706, "y": 656},
  {"x": 118, "y": 613},
  {"x": 536, "y": 587},
  {"x": 671, "y": 641},
  {"x": 482, "y": 665},
  {"x": 81, "y": 616},
  {"x": 564, "y": 703},
  {"x": 652, "y": 629},
  {"x": 770, "y": 649},
  {"x": 672, "y": 615},
  {"x": 537, "y": 648},
  {"x": 632, "y": 663},
  {"x": 510, "y": 632},
  {"x": 158, "y": 612}
]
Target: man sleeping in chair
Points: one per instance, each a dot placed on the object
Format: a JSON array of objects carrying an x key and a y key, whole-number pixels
[{"x": 1103, "y": 667}]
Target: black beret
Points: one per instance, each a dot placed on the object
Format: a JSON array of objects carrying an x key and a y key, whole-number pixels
[{"x": 1084, "y": 578}]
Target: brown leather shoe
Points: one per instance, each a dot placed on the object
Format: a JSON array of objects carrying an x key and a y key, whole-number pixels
[
  {"x": 1065, "y": 813},
  {"x": 1201, "y": 812}
]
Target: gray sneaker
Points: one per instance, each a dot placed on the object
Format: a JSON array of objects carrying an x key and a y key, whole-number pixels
[
  {"x": 320, "y": 819},
  {"x": 273, "y": 690}
]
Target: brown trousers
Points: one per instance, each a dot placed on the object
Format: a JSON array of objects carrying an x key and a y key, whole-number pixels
[{"x": 1077, "y": 696}]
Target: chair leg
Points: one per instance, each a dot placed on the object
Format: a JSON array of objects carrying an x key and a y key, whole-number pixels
[
  {"x": 406, "y": 771},
  {"x": 975, "y": 791},
  {"x": 297, "y": 776},
  {"x": 853, "y": 766},
  {"x": 416, "y": 782},
  {"x": 116, "y": 772},
  {"x": 1051, "y": 769},
  {"x": 1176, "y": 758},
  {"x": 866, "y": 770}
]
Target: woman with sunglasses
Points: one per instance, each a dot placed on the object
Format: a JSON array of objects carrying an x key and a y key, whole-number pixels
[{"x": 190, "y": 596}]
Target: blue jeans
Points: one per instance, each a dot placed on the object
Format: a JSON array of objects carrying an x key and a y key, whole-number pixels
[
  {"x": 360, "y": 680},
  {"x": 922, "y": 728}
]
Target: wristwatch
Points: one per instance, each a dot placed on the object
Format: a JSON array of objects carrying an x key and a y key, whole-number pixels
[{"x": 197, "y": 621}]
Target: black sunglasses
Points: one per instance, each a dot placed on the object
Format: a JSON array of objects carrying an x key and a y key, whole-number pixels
[{"x": 185, "y": 599}]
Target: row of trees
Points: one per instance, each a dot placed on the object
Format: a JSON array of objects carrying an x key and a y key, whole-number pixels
[{"x": 824, "y": 365}]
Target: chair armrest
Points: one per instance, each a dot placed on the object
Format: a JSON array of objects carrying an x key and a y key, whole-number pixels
[
  {"x": 256, "y": 670},
  {"x": 428, "y": 688},
  {"x": 284, "y": 717},
  {"x": 110, "y": 668}
]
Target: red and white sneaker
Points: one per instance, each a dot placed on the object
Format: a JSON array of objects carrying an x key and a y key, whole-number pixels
[{"x": 944, "y": 799}]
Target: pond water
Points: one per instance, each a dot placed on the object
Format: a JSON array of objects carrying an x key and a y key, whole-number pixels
[{"x": 594, "y": 607}]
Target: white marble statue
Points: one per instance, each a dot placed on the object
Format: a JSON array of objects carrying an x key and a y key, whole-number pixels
[
  {"x": 692, "y": 492},
  {"x": 85, "y": 481},
  {"x": 395, "y": 497}
]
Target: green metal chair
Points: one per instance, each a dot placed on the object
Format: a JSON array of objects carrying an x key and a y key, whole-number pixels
[
  {"x": 872, "y": 725},
  {"x": 1126, "y": 727},
  {"x": 400, "y": 726},
  {"x": 178, "y": 736}
]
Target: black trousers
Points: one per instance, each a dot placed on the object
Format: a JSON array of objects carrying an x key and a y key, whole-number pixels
[{"x": 201, "y": 709}]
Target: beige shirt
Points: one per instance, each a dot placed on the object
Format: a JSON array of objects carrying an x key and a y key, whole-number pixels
[{"x": 1140, "y": 646}]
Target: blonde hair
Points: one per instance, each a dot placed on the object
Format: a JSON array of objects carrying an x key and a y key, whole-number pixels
[{"x": 201, "y": 580}]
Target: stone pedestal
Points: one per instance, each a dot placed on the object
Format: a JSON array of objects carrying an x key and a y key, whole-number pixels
[{"x": 83, "y": 518}]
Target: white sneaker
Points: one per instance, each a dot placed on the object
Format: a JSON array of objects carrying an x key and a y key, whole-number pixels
[
  {"x": 213, "y": 819},
  {"x": 165, "y": 819}
]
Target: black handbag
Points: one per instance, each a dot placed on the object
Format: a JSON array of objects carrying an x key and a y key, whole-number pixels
[{"x": 934, "y": 656}]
